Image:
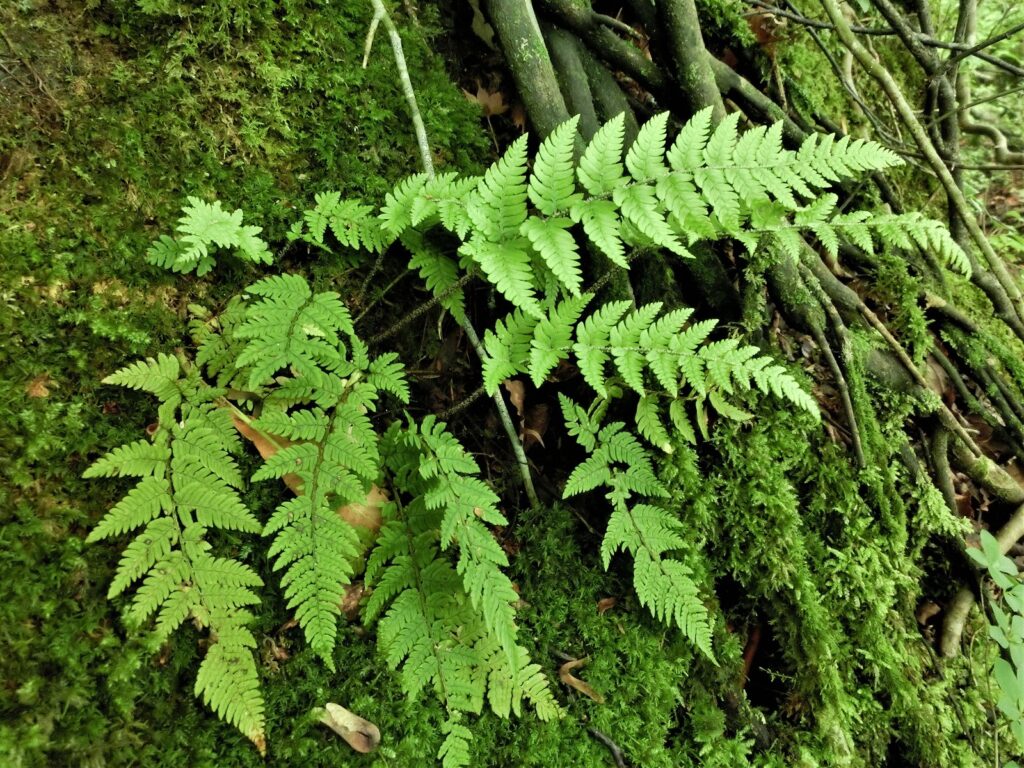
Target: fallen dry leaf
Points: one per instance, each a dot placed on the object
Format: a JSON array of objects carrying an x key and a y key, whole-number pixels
[
  {"x": 39, "y": 386},
  {"x": 566, "y": 676},
  {"x": 350, "y": 601},
  {"x": 535, "y": 425},
  {"x": 516, "y": 394},
  {"x": 492, "y": 102},
  {"x": 926, "y": 611},
  {"x": 362, "y": 735},
  {"x": 605, "y": 604}
]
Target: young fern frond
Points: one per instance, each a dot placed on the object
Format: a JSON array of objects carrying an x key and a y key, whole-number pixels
[
  {"x": 189, "y": 485},
  {"x": 202, "y": 226}
]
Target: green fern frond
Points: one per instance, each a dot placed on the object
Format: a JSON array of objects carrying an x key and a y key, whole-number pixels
[
  {"x": 294, "y": 329},
  {"x": 648, "y": 533},
  {"x": 439, "y": 272},
  {"x": 645, "y": 160},
  {"x": 396, "y": 213},
  {"x": 508, "y": 267},
  {"x": 353, "y": 223},
  {"x": 554, "y": 241},
  {"x": 450, "y": 628},
  {"x": 497, "y": 207},
  {"x": 552, "y": 337},
  {"x": 204, "y": 225},
  {"x": 507, "y": 348},
  {"x": 454, "y": 752},
  {"x": 600, "y": 220},
  {"x": 189, "y": 485},
  {"x": 314, "y": 546}
]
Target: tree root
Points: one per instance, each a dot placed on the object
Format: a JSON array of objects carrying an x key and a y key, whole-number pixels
[{"x": 959, "y": 607}]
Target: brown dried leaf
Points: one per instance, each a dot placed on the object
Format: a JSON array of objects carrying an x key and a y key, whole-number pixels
[
  {"x": 605, "y": 604},
  {"x": 926, "y": 611},
  {"x": 516, "y": 394},
  {"x": 362, "y": 735},
  {"x": 566, "y": 676},
  {"x": 492, "y": 102},
  {"x": 39, "y": 386},
  {"x": 535, "y": 425},
  {"x": 350, "y": 601}
]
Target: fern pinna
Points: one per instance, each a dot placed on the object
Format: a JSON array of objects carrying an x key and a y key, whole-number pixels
[{"x": 189, "y": 484}]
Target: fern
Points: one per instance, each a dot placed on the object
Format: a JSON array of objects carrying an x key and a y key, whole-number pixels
[
  {"x": 189, "y": 484},
  {"x": 658, "y": 355},
  {"x": 323, "y": 407},
  {"x": 202, "y": 226},
  {"x": 353, "y": 224},
  {"x": 448, "y": 627},
  {"x": 664, "y": 585}
]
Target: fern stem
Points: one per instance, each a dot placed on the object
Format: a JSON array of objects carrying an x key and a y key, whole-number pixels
[
  {"x": 422, "y": 309},
  {"x": 506, "y": 421},
  {"x": 428, "y": 169}
]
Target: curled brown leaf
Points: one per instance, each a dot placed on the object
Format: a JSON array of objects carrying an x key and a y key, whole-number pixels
[{"x": 566, "y": 676}]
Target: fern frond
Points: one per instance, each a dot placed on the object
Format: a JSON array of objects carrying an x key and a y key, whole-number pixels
[
  {"x": 202, "y": 225},
  {"x": 352, "y": 223},
  {"x": 552, "y": 337},
  {"x": 439, "y": 272},
  {"x": 508, "y": 267},
  {"x": 557, "y": 247},
  {"x": 454, "y": 752},
  {"x": 507, "y": 348},
  {"x": 646, "y": 157},
  {"x": 294, "y": 329},
  {"x": 600, "y": 219},
  {"x": 158, "y": 376},
  {"x": 497, "y": 207},
  {"x": 396, "y": 215},
  {"x": 687, "y": 152},
  {"x": 189, "y": 485},
  {"x": 600, "y": 169}
]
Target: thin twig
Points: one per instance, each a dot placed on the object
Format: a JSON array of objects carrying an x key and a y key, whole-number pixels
[
  {"x": 28, "y": 65},
  {"x": 621, "y": 26},
  {"x": 931, "y": 42},
  {"x": 437, "y": 298},
  {"x": 974, "y": 49},
  {"x": 462, "y": 405},
  {"x": 506, "y": 420},
  {"x": 384, "y": 292},
  {"x": 840, "y": 330},
  {"x": 407, "y": 89},
  {"x": 428, "y": 169},
  {"x": 615, "y": 749}
]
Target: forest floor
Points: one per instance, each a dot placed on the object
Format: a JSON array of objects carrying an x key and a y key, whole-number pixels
[{"x": 109, "y": 117}]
